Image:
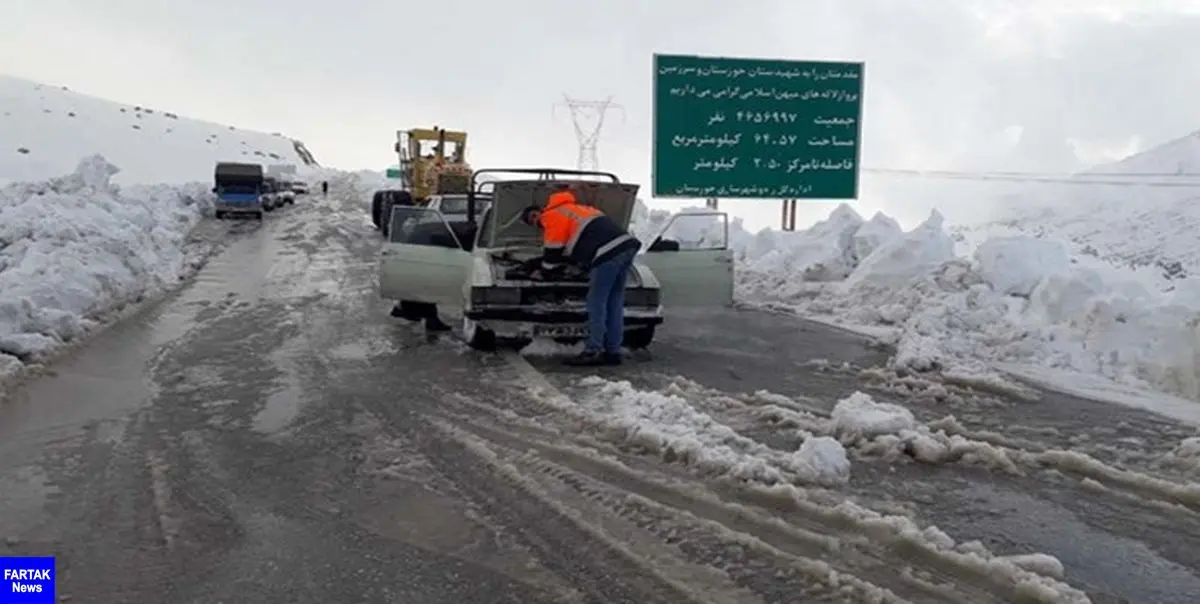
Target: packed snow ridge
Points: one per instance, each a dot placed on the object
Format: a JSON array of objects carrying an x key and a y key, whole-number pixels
[
  {"x": 1014, "y": 301},
  {"x": 76, "y": 248},
  {"x": 47, "y": 129}
]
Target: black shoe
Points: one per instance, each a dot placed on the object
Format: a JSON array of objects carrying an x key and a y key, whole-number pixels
[
  {"x": 404, "y": 311},
  {"x": 586, "y": 359},
  {"x": 436, "y": 324},
  {"x": 612, "y": 359}
]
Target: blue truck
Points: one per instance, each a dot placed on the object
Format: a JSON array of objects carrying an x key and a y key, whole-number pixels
[{"x": 239, "y": 189}]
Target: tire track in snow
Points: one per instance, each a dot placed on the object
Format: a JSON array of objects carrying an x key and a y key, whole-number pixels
[
  {"x": 967, "y": 572},
  {"x": 636, "y": 489},
  {"x": 1118, "y": 436},
  {"x": 699, "y": 583},
  {"x": 765, "y": 416},
  {"x": 1135, "y": 508},
  {"x": 565, "y": 545}
]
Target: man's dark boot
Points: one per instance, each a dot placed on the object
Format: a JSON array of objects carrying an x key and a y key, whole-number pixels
[
  {"x": 612, "y": 359},
  {"x": 434, "y": 323},
  {"x": 586, "y": 359},
  {"x": 404, "y": 310}
]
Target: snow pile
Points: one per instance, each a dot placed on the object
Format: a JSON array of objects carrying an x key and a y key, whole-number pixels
[
  {"x": 46, "y": 129},
  {"x": 900, "y": 258},
  {"x": 1017, "y": 300},
  {"x": 351, "y": 185},
  {"x": 859, "y": 416},
  {"x": 886, "y": 429},
  {"x": 75, "y": 248},
  {"x": 1186, "y": 456},
  {"x": 665, "y": 423}
]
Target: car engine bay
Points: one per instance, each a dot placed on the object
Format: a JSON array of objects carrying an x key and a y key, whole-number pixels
[{"x": 512, "y": 268}]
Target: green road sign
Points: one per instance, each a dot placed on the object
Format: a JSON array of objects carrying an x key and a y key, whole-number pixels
[
  {"x": 754, "y": 128},
  {"x": 393, "y": 173}
]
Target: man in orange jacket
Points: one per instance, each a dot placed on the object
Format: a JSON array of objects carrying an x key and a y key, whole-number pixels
[{"x": 584, "y": 236}]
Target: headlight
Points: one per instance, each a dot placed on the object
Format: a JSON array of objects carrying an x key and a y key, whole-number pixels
[
  {"x": 641, "y": 296},
  {"x": 501, "y": 296}
]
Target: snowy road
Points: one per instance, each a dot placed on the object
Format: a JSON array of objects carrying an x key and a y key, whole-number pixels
[{"x": 269, "y": 434}]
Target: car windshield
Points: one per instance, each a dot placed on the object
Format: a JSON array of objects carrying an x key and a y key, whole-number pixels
[{"x": 458, "y": 205}]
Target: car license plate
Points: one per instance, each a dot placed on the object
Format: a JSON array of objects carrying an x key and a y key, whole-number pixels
[{"x": 560, "y": 331}]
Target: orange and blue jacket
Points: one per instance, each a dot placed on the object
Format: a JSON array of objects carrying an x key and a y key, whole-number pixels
[{"x": 579, "y": 234}]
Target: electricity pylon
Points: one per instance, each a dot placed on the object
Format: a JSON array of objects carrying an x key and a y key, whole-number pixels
[{"x": 588, "y": 118}]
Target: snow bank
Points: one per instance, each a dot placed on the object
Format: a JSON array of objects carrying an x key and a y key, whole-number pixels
[
  {"x": 75, "y": 248},
  {"x": 666, "y": 423},
  {"x": 1018, "y": 299}
]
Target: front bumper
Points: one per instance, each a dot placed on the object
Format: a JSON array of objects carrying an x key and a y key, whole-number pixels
[
  {"x": 538, "y": 322},
  {"x": 249, "y": 207}
]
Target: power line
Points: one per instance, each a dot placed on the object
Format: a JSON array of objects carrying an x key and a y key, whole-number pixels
[
  {"x": 588, "y": 136},
  {"x": 1038, "y": 174},
  {"x": 1067, "y": 179}
]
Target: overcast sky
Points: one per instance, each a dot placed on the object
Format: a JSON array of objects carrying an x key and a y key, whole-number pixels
[{"x": 951, "y": 84}]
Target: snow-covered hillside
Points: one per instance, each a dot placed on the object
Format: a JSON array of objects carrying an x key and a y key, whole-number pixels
[
  {"x": 47, "y": 129},
  {"x": 1054, "y": 293},
  {"x": 1152, "y": 225},
  {"x": 74, "y": 247}
]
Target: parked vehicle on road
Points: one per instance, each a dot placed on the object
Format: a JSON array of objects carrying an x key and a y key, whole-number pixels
[
  {"x": 239, "y": 188},
  {"x": 488, "y": 273}
]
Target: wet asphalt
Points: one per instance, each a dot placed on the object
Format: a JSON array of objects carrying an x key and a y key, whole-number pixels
[{"x": 269, "y": 434}]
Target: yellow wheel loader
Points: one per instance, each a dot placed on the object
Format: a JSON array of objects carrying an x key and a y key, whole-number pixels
[{"x": 432, "y": 161}]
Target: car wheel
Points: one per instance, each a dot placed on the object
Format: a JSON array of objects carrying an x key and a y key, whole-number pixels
[
  {"x": 637, "y": 339},
  {"x": 219, "y": 215},
  {"x": 479, "y": 338},
  {"x": 258, "y": 215}
]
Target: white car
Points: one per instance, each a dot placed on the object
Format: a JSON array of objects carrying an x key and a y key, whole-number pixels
[
  {"x": 453, "y": 206},
  {"x": 483, "y": 274},
  {"x": 272, "y": 197},
  {"x": 270, "y": 201}
]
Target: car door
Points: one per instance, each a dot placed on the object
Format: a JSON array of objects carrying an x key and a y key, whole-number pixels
[
  {"x": 692, "y": 261},
  {"x": 422, "y": 260}
]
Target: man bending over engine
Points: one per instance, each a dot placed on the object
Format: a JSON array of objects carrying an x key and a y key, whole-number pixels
[{"x": 584, "y": 236}]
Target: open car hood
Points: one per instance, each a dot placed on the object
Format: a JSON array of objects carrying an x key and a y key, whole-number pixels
[{"x": 502, "y": 226}]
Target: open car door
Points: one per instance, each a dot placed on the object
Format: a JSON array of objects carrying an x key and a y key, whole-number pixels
[
  {"x": 423, "y": 260},
  {"x": 692, "y": 261}
]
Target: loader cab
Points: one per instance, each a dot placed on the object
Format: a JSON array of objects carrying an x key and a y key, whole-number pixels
[{"x": 431, "y": 143}]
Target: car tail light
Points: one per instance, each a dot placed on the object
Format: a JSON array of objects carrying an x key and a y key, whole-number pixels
[{"x": 642, "y": 296}]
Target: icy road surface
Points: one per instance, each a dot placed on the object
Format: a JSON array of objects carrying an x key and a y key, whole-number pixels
[{"x": 269, "y": 434}]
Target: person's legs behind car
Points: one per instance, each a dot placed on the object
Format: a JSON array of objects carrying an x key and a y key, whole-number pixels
[
  {"x": 602, "y": 280},
  {"x": 614, "y": 329}
]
